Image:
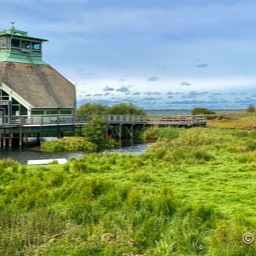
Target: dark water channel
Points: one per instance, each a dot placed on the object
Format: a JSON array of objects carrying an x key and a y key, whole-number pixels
[{"x": 22, "y": 155}]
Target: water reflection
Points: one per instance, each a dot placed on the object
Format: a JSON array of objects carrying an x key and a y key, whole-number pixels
[{"x": 22, "y": 155}]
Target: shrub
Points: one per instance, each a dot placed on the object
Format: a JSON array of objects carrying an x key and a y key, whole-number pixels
[
  {"x": 250, "y": 109},
  {"x": 68, "y": 144},
  {"x": 91, "y": 109},
  {"x": 202, "y": 111},
  {"x": 95, "y": 131},
  {"x": 125, "y": 109}
]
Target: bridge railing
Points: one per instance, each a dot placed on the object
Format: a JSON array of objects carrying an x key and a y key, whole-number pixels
[
  {"x": 43, "y": 120},
  {"x": 51, "y": 120},
  {"x": 127, "y": 119},
  {"x": 176, "y": 120},
  {"x": 56, "y": 119}
]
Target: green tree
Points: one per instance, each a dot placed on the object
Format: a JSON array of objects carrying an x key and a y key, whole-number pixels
[
  {"x": 91, "y": 109},
  {"x": 95, "y": 130},
  {"x": 250, "y": 109},
  {"x": 202, "y": 111},
  {"x": 125, "y": 109}
]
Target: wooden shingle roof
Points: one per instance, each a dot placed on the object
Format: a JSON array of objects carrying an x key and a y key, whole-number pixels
[{"x": 41, "y": 85}]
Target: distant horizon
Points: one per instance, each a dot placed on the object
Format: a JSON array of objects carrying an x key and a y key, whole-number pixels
[{"x": 169, "y": 109}]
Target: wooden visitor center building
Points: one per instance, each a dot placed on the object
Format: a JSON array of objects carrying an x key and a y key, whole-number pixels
[
  {"x": 35, "y": 98},
  {"x": 29, "y": 87}
]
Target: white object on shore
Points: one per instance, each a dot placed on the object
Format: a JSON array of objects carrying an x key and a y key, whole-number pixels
[{"x": 48, "y": 161}]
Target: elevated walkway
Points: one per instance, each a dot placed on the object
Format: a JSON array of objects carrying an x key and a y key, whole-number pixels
[{"x": 20, "y": 126}]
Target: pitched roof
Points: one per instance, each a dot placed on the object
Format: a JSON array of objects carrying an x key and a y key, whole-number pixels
[{"x": 41, "y": 85}]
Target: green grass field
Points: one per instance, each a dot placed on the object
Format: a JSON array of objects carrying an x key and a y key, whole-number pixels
[{"x": 191, "y": 193}]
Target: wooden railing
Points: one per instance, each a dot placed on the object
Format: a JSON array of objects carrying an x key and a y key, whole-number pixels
[
  {"x": 176, "y": 120},
  {"x": 52, "y": 120}
]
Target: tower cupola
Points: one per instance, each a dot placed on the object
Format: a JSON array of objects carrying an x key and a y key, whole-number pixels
[{"x": 18, "y": 46}]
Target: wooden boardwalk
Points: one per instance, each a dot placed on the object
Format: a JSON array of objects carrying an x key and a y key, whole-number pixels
[
  {"x": 62, "y": 120},
  {"x": 19, "y": 127}
]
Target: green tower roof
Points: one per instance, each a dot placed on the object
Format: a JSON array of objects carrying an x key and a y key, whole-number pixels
[{"x": 20, "y": 34}]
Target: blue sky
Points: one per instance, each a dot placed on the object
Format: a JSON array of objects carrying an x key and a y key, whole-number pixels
[{"x": 156, "y": 54}]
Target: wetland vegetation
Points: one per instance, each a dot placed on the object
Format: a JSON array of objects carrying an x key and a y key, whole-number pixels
[
  {"x": 191, "y": 193},
  {"x": 92, "y": 137}
]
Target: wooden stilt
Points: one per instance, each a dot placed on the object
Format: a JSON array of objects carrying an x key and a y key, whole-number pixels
[
  {"x": 20, "y": 137},
  {"x": 129, "y": 132},
  {"x": 26, "y": 138},
  {"x": 38, "y": 138},
  {"x": 10, "y": 138},
  {"x": 4, "y": 139},
  {"x": 120, "y": 131}
]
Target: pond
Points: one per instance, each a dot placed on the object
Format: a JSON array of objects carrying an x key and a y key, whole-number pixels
[{"x": 22, "y": 155}]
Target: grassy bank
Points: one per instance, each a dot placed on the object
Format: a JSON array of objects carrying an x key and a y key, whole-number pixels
[{"x": 191, "y": 193}]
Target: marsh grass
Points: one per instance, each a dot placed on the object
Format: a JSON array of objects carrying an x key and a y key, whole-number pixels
[{"x": 190, "y": 193}]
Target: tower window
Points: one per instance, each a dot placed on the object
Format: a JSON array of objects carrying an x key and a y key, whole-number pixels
[
  {"x": 36, "y": 46},
  {"x": 16, "y": 43},
  {"x": 26, "y": 44}
]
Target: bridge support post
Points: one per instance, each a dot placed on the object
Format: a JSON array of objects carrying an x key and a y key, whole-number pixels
[
  {"x": 10, "y": 138},
  {"x": 129, "y": 131},
  {"x": 20, "y": 137},
  {"x": 26, "y": 138},
  {"x": 60, "y": 134},
  {"x": 120, "y": 131},
  {"x": 38, "y": 138},
  {"x": 4, "y": 138}
]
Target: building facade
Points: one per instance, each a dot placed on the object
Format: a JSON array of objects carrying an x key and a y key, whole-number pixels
[{"x": 28, "y": 85}]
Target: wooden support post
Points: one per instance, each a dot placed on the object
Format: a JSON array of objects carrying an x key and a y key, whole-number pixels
[
  {"x": 129, "y": 131},
  {"x": 20, "y": 136},
  {"x": 10, "y": 138},
  {"x": 132, "y": 131},
  {"x": 38, "y": 138},
  {"x": 26, "y": 138},
  {"x": 60, "y": 134},
  {"x": 120, "y": 131},
  {"x": 4, "y": 138},
  {"x": 0, "y": 140}
]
